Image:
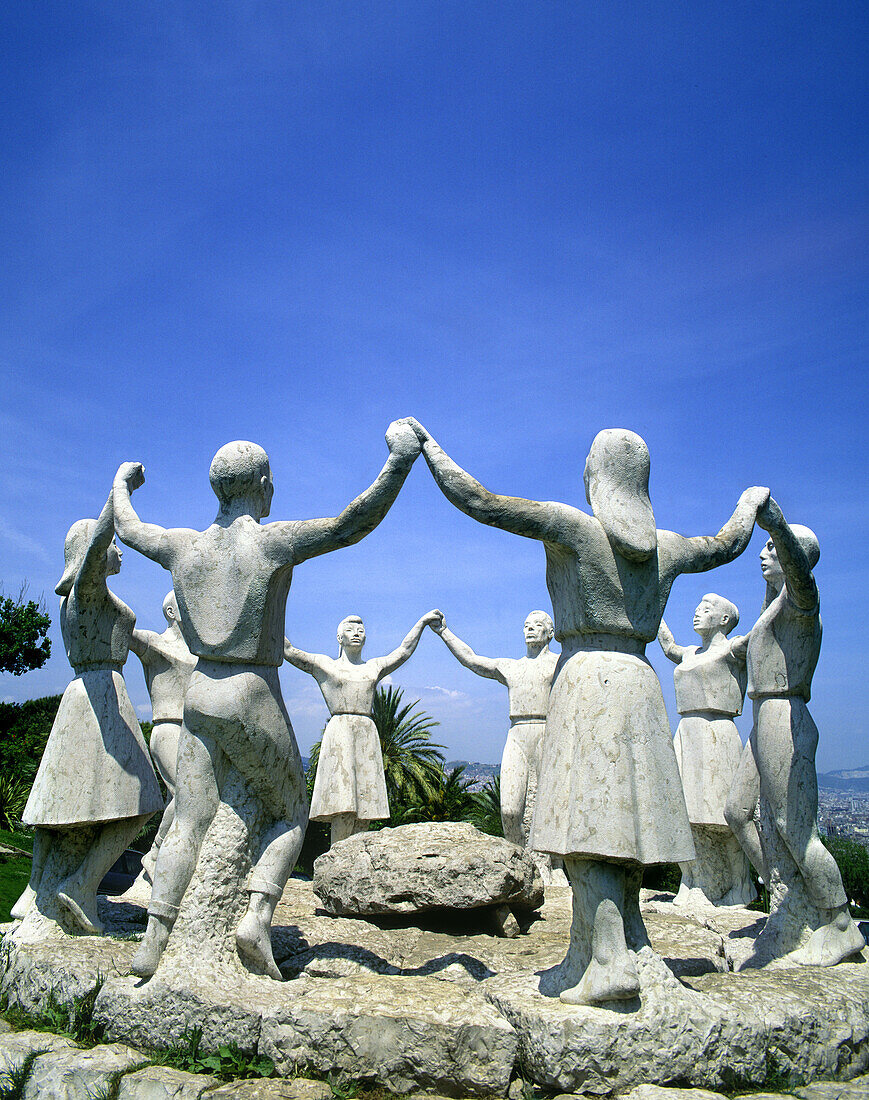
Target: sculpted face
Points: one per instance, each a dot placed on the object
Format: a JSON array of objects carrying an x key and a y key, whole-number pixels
[
  {"x": 268, "y": 487},
  {"x": 351, "y": 634},
  {"x": 707, "y": 617},
  {"x": 537, "y": 629},
  {"x": 113, "y": 559},
  {"x": 769, "y": 565}
]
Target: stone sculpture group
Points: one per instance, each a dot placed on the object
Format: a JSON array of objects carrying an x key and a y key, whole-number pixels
[{"x": 590, "y": 777}]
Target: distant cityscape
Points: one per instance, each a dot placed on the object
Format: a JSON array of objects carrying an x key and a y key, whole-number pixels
[{"x": 843, "y": 804}]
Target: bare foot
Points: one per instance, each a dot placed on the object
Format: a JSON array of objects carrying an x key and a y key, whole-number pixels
[
  {"x": 254, "y": 942},
  {"x": 82, "y": 910},
  {"x": 830, "y": 944},
  {"x": 151, "y": 948},
  {"x": 617, "y": 981},
  {"x": 19, "y": 909}
]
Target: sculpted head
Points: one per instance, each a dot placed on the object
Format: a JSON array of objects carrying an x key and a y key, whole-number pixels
[
  {"x": 351, "y": 633},
  {"x": 539, "y": 629},
  {"x": 714, "y": 613},
  {"x": 617, "y": 488},
  {"x": 75, "y": 545},
  {"x": 240, "y": 471},
  {"x": 170, "y": 607},
  {"x": 769, "y": 563}
]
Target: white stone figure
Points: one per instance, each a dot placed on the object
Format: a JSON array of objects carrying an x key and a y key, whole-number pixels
[
  {"x": 528, "y": 680},
  {"x": 809, "y": 908},
  {"x": 609, "y": 797},
  {"x": 710, "y": 684},
  {"x": 168, "y": 665},
  {"x": 231, "y": 582},
  {"x": 350, "y": 785},
  {"x": 95, "y": 788}
]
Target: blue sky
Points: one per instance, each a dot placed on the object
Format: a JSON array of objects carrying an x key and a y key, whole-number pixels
[{"x": 521, "y": 223}]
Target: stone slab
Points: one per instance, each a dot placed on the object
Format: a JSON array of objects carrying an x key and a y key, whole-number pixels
[
  {"x": 672, "y": 1035},
  {"x": 296, "y": 1088},
  {"x": 15, "y": 1046},
  {"x": 165, "y": 1083},
  {"x": 401, "y": 1032},
  {"x": 79, "y": 1074},
  {"x": 816, "y": 1019}
]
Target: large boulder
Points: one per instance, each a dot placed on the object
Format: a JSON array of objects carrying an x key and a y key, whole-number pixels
[{"x": 417, "y": 868}]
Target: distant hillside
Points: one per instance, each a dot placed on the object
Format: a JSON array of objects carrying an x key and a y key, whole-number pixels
[{"x": 847, "y": 779}]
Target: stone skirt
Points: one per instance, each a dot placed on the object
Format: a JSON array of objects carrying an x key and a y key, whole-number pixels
[
  {"x": 609, "y": 785},
  {"x": 96, "y": 766},
  {"x": 708, "y": 754},
  {"x": 350, "y": 777}
]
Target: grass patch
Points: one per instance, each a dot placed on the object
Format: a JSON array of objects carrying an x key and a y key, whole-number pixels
[
  {"x": 14, "y": 875},
  {"x": 17, "y": 839},
  {"x": 228, "y": 1062},
  {"x": 74, "y": 1020}
]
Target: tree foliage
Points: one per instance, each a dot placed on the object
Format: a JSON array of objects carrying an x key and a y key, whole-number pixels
[
  {"x": 853, "y": 861},
  {"x": 23, "y": 629},
  {"x": 24, "y": 730}
]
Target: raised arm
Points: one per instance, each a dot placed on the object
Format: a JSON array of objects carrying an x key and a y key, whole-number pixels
[
  {"x": 696, "y": 555},
  {"x": 668, "y": 643},
  {"x": 140, "y": 643},
  {"x": 545, "y": 520},
  {"x": 739, "y": 647},
  {"x": 398, "y": 656},
  {"x": 801, "y": 584},
  {"x": 307, "y": 662},
  {"x": 308, "y": 538},
  {"x": 147, "y": 538},
  {"x": 93, "y": 566},
  {"x": 483, "y": 666}
]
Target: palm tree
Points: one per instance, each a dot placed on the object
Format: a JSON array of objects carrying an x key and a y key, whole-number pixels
[
  {"x": 486, "y": 814},
  {"x": 452, "y": 799},
  {"x": 412, "y": 762}
]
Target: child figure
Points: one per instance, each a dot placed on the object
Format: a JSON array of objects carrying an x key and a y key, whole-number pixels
[
  {"x": 350, "y": 788},
  {"x": 710, "y": 685}
]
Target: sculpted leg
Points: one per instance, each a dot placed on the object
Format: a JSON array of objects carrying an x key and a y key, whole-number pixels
[
  {"x": 739, "y": 809},
  {"x": 274, "y": 773},
  {"x": 599, "y": 890},
  {"x": 514, "y": 787},
  {"x": 41, "y": 846},
  {"x": 788, "y": 740},
  {"x": 344, "y": 825},
  {"x": 195, "y": 806},
  {"x": 78, "y": 891}
]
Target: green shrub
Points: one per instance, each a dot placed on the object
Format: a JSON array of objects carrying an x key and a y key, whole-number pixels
[{"x": 24, "y": 730}]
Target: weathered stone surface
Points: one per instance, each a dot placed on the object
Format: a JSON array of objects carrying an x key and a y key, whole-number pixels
[
  {"x": 15, "y": 1046},
  {"x": 815, "y": 1019},
  {"x": 672, "y": 1035},
  {"x": 403, "y": 1032},
  {"x": 296, "y": 1088},
  {"x": 165, "y": 1083},
  {"x": 64, "y": 967},
  {"x": 154, "y": 1016},
  {"x": 858, "y": 1089},
  {"x": 414, "y": 868},
  {"x": 79, "y": 1074},
  {"x": 658, "y": 1092}
]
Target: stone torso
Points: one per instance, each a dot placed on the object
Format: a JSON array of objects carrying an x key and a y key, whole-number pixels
[
  {"x": 596, "y": 591},
  {"x": 167, "y": 666},
  {"x": 232, "y": 596},
  {"x": 712, "y": 680},
  {"x": 96, "y": 626},
  {"x": 783, "y": 649},
  {"x": 348, "y": 688},
  {"x": 528, "y": 682}
]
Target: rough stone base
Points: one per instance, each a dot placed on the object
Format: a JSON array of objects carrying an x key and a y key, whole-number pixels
[{"x": 458, "y": 1012}]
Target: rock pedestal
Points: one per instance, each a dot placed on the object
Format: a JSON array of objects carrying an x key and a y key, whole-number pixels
[{"x": 417, "y": 868}]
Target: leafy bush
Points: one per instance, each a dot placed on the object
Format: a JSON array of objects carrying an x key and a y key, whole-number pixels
[
  {"x": 23, "y": 629},
  {"x": 853, "y": 861},
  {"x": 24, "y": 730},
  {"x": 13, "y": 798}
]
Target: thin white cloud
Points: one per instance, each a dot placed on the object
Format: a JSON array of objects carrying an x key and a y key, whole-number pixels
[{"x": 24, "y": 543}]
